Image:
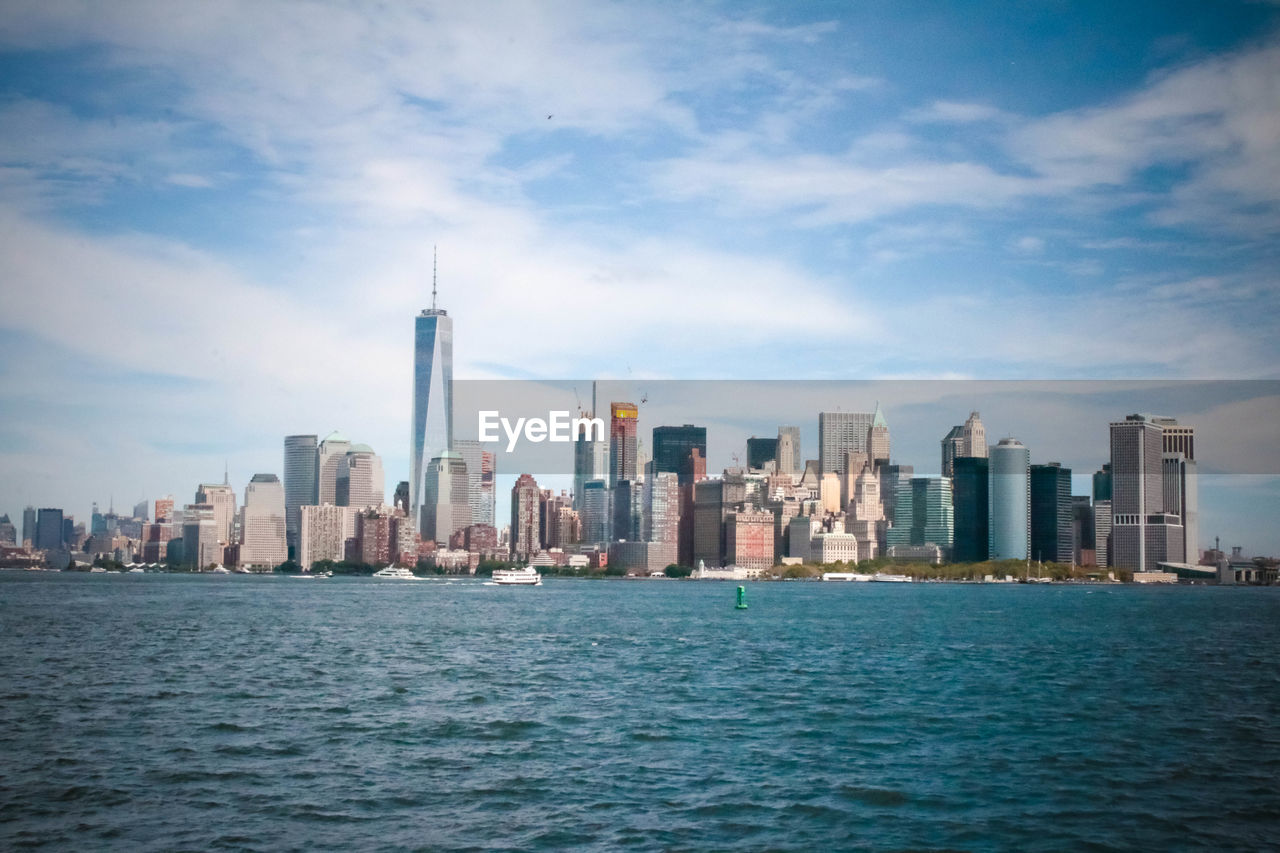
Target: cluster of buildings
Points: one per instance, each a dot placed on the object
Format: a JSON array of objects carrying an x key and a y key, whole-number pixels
[{"x": 641, "y": 513}]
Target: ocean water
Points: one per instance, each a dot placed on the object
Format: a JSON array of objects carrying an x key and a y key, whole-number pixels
[{"x": 165, "y": 712}]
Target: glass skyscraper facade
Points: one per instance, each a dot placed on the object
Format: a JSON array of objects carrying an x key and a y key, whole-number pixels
[
  {"x": 969, "y": 497},
  {"x": 432, "y": 424},
  {"x": 1009, "y": 501},
  {"x": 671, "y": 445},
  {"x": 1051, "y": 514}
]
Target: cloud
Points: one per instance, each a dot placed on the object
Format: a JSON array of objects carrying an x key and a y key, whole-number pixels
[{"x": 953, "y": 112}]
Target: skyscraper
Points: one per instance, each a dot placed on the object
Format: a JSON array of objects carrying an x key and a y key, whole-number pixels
[
  {"x": 140, "y": 510},
  {"x": 1144, "y": 530},
  {"x": 596, "y": 512},
  {"x": 360, "y": 481},
  {"x": 431, "y": 429},
  {"x": 973, "y": 438},
  {"x": 525, "y": 519},
  {"x": 1181, "y": 482},
  {"x": 924, "y": 514},
  {"x": 671, "y": 446},
  {"x": 481, "y": 466},
  {"x": 842, "y": 432},
  {"x": 299, "y": 481},
  {"x": 622, "y": 442},
  {"x": 790, "y": 460},
  {"x": 446, "y": 501},
  {"x": 970, "y": 499},
  {"x": 223, "y": 500},
  {"x": 952, "y": 447},
  {"x": 29, "y": 526},
  {"x": 329, "y": 455},
  {"x": 8, "y": 532},
  {"x": 1009, "y": 501},
  {"x": 164, "y": 509},
  {"x": 761, "y": 451},
  {"x": 262, "y": 524},
  {"x": 1051, "y": 514}
]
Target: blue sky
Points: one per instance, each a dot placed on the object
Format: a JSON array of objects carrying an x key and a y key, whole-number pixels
[{"x": 217, "y": 219}]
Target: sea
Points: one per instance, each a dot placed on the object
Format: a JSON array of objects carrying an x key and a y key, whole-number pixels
[{"x": 177, "y": 712}]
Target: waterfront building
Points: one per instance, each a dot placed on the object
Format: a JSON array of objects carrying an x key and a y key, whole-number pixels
[
  {"x": 970, "y": 482},
  {"x": 1102, "y": 519},
  {"x": 263, "y": 544},
  {"x": 713, "y": 500},
  {"x": 299, "y": 481},
  {"x": 1181, "y": 482},
  {"x": 800, "y": 532},
  {"x": 1052, "y": 538},
  {"x": 431, "y": 427},
  {"x": 749, "y": 538},
  {"x": 790, "y": 458},
  {"x": 50, "y": 529},
  {"x": 833, "y": 547},
  {"x": 29, "y": 526},
  {"x": 360, "y": 481},
  {"x": 1144, "y": 531},
  {"x": 924, "y": 514},
  {"x": 525, "y": 498},
  {"x": 1009, "y": 501},
  {"x": 597, "y": 512},
  {"x": 760, "y": 452},
  {"x": 446, "y": 500},
  {"x": 323, "y": 532},
  {"x": 201, "y": 531},
  {"x": 622, "y": 442},
  {"x": 1083, "y": 534},
  {"x": 8, "y": 532},
  {"x": 374, "y": 542},
  {"x": 223, "y": 500}
]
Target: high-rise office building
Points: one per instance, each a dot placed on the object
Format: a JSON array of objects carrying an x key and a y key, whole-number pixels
[
  {"x": 1082, "y": 531},
  {"x": 1009, "y": 501},
  {"x": 1052, "y": 538},
  {"x": 671, "y": 446},
  {"x": 973, "y": 438},
  {"x": 662, "y": 516},
  {"x": 596, "y": 512},
  {"x": 623, "y": 422},
  {"x": 201, "y": 529},
  {"x": 525, "y": 518},
  {"x": 299, "y": 481},
  {"x": 432, "y": 425},
  {"x": 29, "y": 526},
  {"x": 1102, "y": 483},
  {"x": 262, "y": 524},
  {"x": 446, "y": 501},
  {"x": 970, "y": 500},
  {"x": 223, "y": 500},
  {"x": 1144, "y": 531},
  {"x": 481, "y": 473},
  {"x": 1181, "y": 487},
  {"x": 330, "y": 454},
  {"x": 628, "y": 510},
  {"x": 1102, "y": 532},
  {"x": 839, "y": 433},
  {"x": 164, "y": 509},
  {"x": 748, "y": 537},
  {"x": 878, "y": 437},
  {"x": 360, "y": 481},
  {"x": 8, "y": 531},
  {"x": 760, "y": 452},
  {"x": 924, "y": 514},
  {"x": 790, "y": 458},
  {"x": 140, "y": 510},
  {"x": 952, "y": 447}
]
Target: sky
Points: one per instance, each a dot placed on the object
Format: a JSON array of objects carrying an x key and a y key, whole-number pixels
[{"x": 217, "y": 219}]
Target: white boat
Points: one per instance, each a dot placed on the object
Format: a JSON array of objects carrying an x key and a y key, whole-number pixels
[
  {"x": 527, "y": 576},
  {"x": 396, "y": 573},
  {"x": 855, "y": 577},
  {"x": 137, "y": 570},
  {"x": 97, "y": 570},
  {"x": 220, "y": 570},
  {"x": 884, "y": 578}
]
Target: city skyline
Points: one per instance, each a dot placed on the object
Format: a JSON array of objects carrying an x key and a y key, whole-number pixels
[{"x": 216, "y": 240}]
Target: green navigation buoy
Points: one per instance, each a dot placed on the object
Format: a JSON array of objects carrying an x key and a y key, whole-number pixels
[{"x": 742, "y": 598}]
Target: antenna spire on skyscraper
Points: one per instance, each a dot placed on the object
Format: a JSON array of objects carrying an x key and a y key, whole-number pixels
[{"x": 433, "y": 277}]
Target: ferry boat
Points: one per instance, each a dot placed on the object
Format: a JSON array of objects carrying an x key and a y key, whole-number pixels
[
  {"x": 396, "y": 573},
  {"x": 527, "y": 576}
]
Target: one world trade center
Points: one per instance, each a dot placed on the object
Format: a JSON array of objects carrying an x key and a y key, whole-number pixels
[{"x": 432, "y": 432}]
